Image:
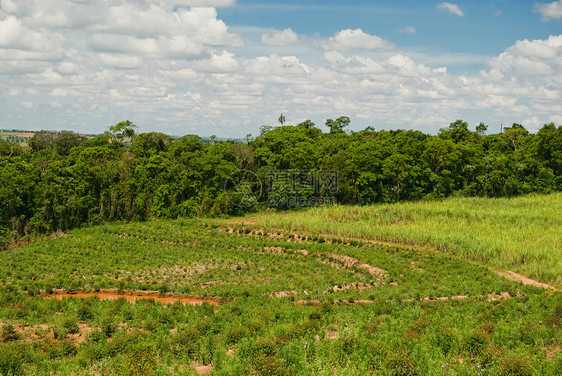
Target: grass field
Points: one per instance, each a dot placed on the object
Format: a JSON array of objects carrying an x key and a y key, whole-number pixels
[
  {"x": 286, "y": 305},
  {"x": 523, "y": 234}
]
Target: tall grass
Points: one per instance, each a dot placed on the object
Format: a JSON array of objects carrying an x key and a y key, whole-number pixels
[{"x": 523, "y": 234}]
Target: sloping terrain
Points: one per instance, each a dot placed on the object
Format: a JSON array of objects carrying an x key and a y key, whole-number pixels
[{"x": 288, "y": 304}]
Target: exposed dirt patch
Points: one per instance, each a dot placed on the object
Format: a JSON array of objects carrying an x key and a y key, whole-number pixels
[
  {"x": 203, "y": 369},
  {"x": 132, "y": 297},
  {"x": 436, "y": 299},
  {"x": 275, "y": 251},
  {"x": 359, "y": 286},
  {"x": 512, "y": 276},
  {"x": 83, "y": 331},
  {"x": 34, "y": 333},
  {"x": 493, "y": 297},
  {"x": 552, "y": 351},
  {"x": 309, "y": 302},
  {"x": 350, "y": 262},
  {"x": 283, "y": 294},
  {"x": 332, "y": 334},
  {"x": 295, "y": 237},
  {"x": 246, "y": 282}
]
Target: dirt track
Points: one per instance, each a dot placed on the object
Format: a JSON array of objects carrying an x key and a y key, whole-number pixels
[{"x": 512, "y": 276}]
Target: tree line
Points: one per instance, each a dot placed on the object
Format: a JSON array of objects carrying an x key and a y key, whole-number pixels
[{"x": 64, "y": 180}]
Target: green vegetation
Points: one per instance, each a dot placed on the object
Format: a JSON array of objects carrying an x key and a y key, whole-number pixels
[
  {"x": 522, "y": 234},
  {"x": 288, "y": 306},
  {"x": 298, "y": 292},
  {"x": 64, "y": 180}
]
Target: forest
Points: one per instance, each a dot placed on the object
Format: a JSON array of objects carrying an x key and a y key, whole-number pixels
[{"x": 65, "y": 180}]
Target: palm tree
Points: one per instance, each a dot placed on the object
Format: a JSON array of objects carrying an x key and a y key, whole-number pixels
[{"x": 282, "y": 118}]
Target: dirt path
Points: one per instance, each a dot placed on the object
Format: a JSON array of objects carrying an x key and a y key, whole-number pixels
[{"x": 512, "y": 276}]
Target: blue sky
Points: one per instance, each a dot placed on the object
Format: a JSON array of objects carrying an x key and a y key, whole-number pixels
[
  {"x": 226, "y": 67},
  {"x": 486, "y": 28}
]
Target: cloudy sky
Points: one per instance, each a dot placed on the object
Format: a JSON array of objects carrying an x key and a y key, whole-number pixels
[{"x": 226, "y": 67}]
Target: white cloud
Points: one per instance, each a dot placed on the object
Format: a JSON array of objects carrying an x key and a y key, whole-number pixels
[
  {"x": 198, "y": 3},
  {"x": 142, "y": 27},
  {"x": 91, "y": 60},
  {"x": 354, "y": 64},
  {"x": 120, "y": 61},
  {"x": 540, "y": 49},
  {"x": 275, "y": 68},
  {"x": 350, "y": 39},
  {"x": 279, "y": 38},
  {"x": 537, "y": 57},
  {"x": 549, "y": 10},
  {"x": 556, "y": 119},
  {"x": 451, "y": 8},
  {"x": 408, "y": 30},
  {"x": 67, "y": 67},
  {"x": 224, "y": 62},
  {"x": 63, "y": 92},
  {"x": 15, "y": 35}
]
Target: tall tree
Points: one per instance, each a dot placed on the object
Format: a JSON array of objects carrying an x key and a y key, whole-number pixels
[
  {"x": 337, "y": 126},
  {"x": 481, "y": 128},
  {"x": 123, "y": 129}
]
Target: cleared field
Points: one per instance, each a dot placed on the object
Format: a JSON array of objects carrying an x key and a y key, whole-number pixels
[
  {"x": 21, "y": 138},
  {"x": 523, "y": 234},
  {"x": 286, "y": 306}
]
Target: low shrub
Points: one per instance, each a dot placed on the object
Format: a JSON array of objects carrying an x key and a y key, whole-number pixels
[{"x": 516, "y": 367}]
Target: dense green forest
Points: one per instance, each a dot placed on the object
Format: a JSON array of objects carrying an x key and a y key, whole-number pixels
[{"x": 66, "y": 180}]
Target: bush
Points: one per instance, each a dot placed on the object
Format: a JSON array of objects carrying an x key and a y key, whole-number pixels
[
  {"x": 446, "y": 341},
  {"x": 268, "y": 365},
  {"x": 9, "y": 333},
  {"x": 84, "y": 312},
  {"x": 108, "y": 327},
  {"x": 266, "y": 361},
  {"x": 477, "y": 342},
  {"x": 70, "y": 326},
  {"x": 140, "y": 362},
  {"x": 400, "y": 364},
  {"x": 69, "y": 349},
  {"x": 516, "y": 367},
  {"x": 188, "y": 341},
  {"x": 96, "y": 336},
  {"x": 235, "y": 334},
  {"x": 11, "y": 361}
]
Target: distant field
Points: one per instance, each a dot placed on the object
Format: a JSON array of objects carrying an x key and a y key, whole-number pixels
[
  {"x": 523, "y": 234},
  {"x": 286, "y": 306},
  {"x": 21, "y": 138}
]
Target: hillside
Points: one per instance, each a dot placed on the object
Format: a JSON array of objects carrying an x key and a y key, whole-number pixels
[
  {"x": 274, "y": 303},
  {"x": 523, "y": 234}
]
